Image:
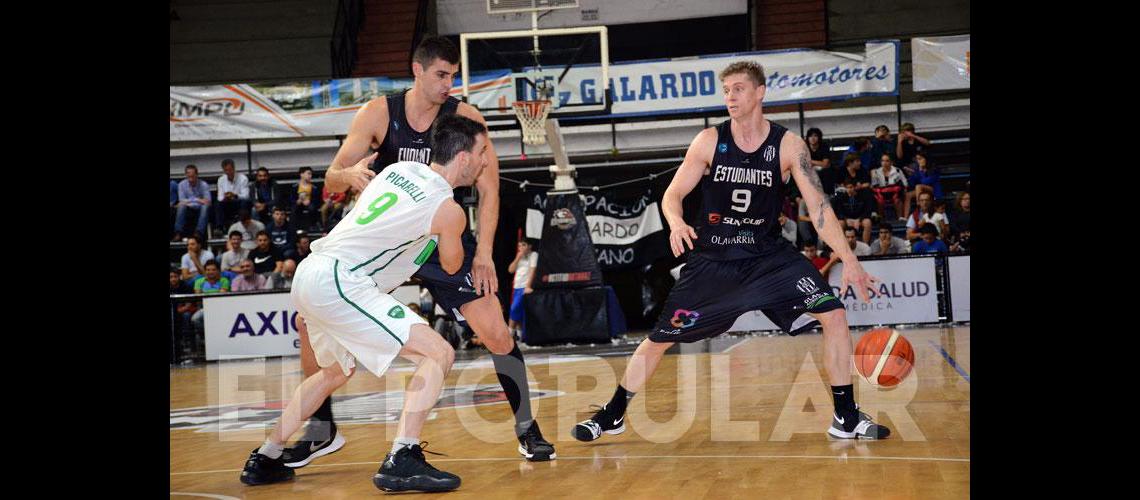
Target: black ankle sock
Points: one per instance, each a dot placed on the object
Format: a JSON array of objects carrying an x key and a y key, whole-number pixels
[
  {"x": 324, "y": 413},
  {"x": 618, "y": 403},
  {"x": 511, "y": 370},
  {"x": 844, "y": 398}
]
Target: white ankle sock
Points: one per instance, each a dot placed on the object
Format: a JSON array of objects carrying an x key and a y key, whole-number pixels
[
  {"x": 401, "y": 442},
  {"x": 271, "y": 450}
]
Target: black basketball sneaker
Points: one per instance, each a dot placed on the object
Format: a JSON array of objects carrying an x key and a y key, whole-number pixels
[
  {"x": 300, "y": 454},
  {"x": 602, "y": 422},
  {"x": 407, "y": 470},
  {"x": 857, "y": 427},
  {"x": 260, "y": 469},
  {"x": 534, "y": 447}
]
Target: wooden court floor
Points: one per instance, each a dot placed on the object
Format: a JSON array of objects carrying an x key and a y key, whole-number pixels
[{"x": 746, "y": 421}]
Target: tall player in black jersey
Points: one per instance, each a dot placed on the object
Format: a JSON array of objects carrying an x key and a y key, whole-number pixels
[
  {"x": 739, "y": 262},
  {"x": 397, "y": 128}
]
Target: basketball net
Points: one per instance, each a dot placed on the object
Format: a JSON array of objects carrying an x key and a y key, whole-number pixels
[{"x": 532, "y": 118}]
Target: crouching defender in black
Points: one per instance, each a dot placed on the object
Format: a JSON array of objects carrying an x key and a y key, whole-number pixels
[{"x": 739, "y": 261}]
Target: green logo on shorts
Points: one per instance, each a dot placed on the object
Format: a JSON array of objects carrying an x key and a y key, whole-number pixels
[{"x": 396, "y": 312}]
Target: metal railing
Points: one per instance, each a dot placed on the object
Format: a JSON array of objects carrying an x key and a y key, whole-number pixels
[{"x": 349, "y": 17}]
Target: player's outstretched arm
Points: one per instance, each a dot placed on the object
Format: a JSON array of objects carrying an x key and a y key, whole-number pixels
[
  {"x": 350, "y": 166},
  {"x": 697, "y": 159},
  {"x": 482, "y": 266},
  {"x": 449, "y": 222},
  {"x": 796, "y": 158}
]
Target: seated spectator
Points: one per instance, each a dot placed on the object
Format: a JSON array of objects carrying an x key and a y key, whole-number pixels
[
  {"x": 925, "y": 212},
  {"x": 248, "y": 229},
  {"x": 889, "y": 244},
  {"x": 332, "y": 206},
  {"x": 212, "y": 280},
  {"x": 304, "y": 206},
  {"x": 922, "y": 177},
  {"x": 889, "y": 182},
  {"x": 862, "y": 148},
  {"x": 882, "y": 144},
  {"x": 183, "y": 309},
  {"x": 266, "y": 258},
  {"x": 195, "y": 259},
  {"x": 929, "y": 243},
  {"x": 861, "y": 176},
  {"x": 282, "y": 235},
  {"x": 232, "y": 257},
  {"x": 787, "y": 228},
  {"x": 302, "y": 249},
  {"x": 249, "y": 280},
  {"x": 811, "y": 251},
  {"x": 962, "y": 242},
  {"x": 961, "y": 216},
  {"x": 857, "y": 247},
  {"x": 173, "y": 205},
  {"x": 820, "y": 153},
  {"x": 193, "y": 194},
  {"x": 233, "y": 193},
  {"x": 264, "y": 194},
  {"x": 832, "y": 177},
  {"x": 805, "y": 230},
  {"x": 283, "y": 279},
  {"x": 853, "y": 209},
  {"x": 908, "y": 144}
]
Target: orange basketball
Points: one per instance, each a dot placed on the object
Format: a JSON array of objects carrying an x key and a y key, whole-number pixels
[{"x": 884, "y": 357}]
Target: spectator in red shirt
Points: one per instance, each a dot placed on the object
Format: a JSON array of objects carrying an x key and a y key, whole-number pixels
[
  {"x": 812, "y": 254},
  {"x": 333, "y": 205}
]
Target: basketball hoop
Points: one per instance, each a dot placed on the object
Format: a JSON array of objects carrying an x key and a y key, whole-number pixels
[{"x": 532, "y": 118}]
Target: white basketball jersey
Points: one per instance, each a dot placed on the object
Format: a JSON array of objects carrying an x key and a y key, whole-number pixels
[{"x": 387, "y": 234}]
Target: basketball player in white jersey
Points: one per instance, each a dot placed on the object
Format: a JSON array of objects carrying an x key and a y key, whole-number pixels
[
  {"x": 343, "y": 287},
  {"x": 398, "y": 127}
]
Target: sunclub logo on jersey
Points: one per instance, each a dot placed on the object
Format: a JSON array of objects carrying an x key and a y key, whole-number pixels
[
  {"x": 222, "y": 106},
  {"x": 732, "y": 221},
  {"x": 714, "y": 218},
  {"x": 267, "y": 323},
  {"x": 682, "y": 319},
  {"x": 365, "y": 408},
  {"x": 563, "y": 219}
]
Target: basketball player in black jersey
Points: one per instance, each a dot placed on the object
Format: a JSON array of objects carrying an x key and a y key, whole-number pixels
[
  {"x": 397, "y": 128},
  {"x": 739, "y": 262}
]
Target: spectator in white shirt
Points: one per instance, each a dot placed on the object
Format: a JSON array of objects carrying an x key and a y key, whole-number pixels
[
  {"x": 924, "y": 213},
  {"x": 523, "y": 268},
  {"x": 195, "y": 258},
  {"x": 234, "y": 254},
  {"x": 248, "y": 229},
  {"x": 889, "y": 182},
  {"x": 889, "y": 244},
  {"x": 859, "y": 248},
  {"x": 233, "y": 193}
]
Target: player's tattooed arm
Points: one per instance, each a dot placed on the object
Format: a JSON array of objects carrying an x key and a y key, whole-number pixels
[{"x": 813, "y": 180}]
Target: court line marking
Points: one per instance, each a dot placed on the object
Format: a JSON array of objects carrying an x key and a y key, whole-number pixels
[
  {"x": 699, "y": 457},
  {"x": 950, "y": 360},
  {"x": 738, "y": 344},
  {"x": 205, "y": 495}
]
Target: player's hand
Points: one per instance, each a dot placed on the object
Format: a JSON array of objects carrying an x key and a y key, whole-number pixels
[
  {"x": 483, "y": 274},
  {"x": 854, "y": 274},
  {"x": 679, "y": 236},
  {"x": 360, "y": 175},
  {"x": 527, "y": 290}
]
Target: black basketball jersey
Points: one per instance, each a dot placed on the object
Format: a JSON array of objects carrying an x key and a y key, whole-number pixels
[
  {"x": 741, "y": 198},
  {"x": 402, "y": 142}
]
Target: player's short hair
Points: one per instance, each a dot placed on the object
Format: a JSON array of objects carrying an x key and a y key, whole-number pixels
[
  {"x": 436, "y": 47},
  {"x": 886, "y": 227},
  {"x": 235, "y": 233},
  {"x": 211, "y": 262},
  {"x": 883, "y": 127},
  {"x": 227, "y": 161},
  {"x": 452, "y": 134},
  {"x": 908, "y": 126},
  {"x": 195, "y": 237},
  {"x": 928, "y": 228},
  {"x": 850, "y": 158},
  {"x": 259, "y": 233},
  {"x": 263, "y": 169},
  {"x": 279, "y": 208},
  {"x": 303, "y": 169},
  {"x": 191, "y": 166},
  {"x": 849, "y": 228},
  {"x": 752, "y": 68}
]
